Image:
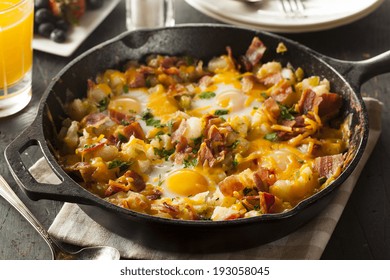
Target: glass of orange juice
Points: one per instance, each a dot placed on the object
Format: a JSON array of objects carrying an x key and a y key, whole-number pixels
[{"x": 16, "y": 33}]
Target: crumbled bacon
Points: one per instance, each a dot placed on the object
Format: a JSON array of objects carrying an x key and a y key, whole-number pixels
[
  {"x": 267, "y": 200},
  {"x": 119, "y": 117},
  {"x": 178, "y": 133},
  {"x": 137, "y": 81},
  {"x": 136, "y": 183},
  {"x": 271, "y": 79},
  {"x": 134, "y": 129},
  {"x": 205, "y": 155},
  {"x": 255, "y": 52},
  {"x": 272, "y": 107},
  {"x": 328, "y": 104},
  {"x": 264, "y": 178},
  {"x": 94, "y": 119},
  {"x": 170, "y": 209},
  {"x": 282, "y": 93},
  {"x": 327, "y": 166},
  {"x": 115, "y": 187},
  {"x": 83, "y": 170},
  {"x": 205, "y": 81}
]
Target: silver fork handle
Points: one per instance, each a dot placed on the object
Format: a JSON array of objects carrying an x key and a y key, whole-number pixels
[{"x": 13, "y": 199}]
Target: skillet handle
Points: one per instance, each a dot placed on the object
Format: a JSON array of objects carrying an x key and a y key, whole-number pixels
[
  {"x": 358, "y": 72},
  {"x": 64, "y": 189}
]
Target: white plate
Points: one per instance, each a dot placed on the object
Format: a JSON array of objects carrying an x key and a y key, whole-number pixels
[
  {"x": 89, "y": 21},
  {"x": 269, "y": 16}
]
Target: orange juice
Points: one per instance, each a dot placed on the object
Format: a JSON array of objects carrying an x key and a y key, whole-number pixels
[{"x": 16, "y": 31}]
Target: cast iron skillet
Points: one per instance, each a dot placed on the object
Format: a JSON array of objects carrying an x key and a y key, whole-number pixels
[{"x": 204, "y": 42}]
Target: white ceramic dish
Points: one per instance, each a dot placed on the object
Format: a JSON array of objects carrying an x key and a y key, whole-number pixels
[
  {"x": 90, "y": 20},
  {"x": 269, "y": 16}
]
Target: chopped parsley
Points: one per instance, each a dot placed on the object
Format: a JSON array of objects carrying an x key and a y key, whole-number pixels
[
  {"x": 149, "y": 119},
  {"x": 125, "y": 88},
  {"x": 235, "y": 144},
  {"x": 103, "y": 104},
  {"x": 123, "y": 165},
  {"x": 207, "y": 95},
  {"x": 273, "y": 136},
  {"x": 163, "y": 153},
  {"x": 190, "y": 162},
  {"x": 286, "y": 113},
  {"x": 122, "y": 138},
  {"x": 221, "y": 112}
]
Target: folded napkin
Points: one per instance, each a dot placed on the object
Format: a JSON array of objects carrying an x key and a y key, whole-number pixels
[{"x": 73, "y": 226}]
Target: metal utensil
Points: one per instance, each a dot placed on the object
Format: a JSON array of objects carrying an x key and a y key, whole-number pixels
[{"x": 57, "y": 251}]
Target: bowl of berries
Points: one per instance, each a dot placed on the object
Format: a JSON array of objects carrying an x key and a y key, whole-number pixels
[{"x": 60, "y": 26}]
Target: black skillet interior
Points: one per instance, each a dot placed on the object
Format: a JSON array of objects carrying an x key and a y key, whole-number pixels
[{"x": 203, "y": 42}]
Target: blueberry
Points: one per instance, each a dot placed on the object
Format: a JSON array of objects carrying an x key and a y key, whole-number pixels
[
  {"x": 58, "y": 35},
  {"x": 45, "y": 29},
  {"x": 62, "y": 24},
  {"x": 94, "y": 4},
  {"x": 41, "y": 4},
  {"x": 43, "y": 15}
]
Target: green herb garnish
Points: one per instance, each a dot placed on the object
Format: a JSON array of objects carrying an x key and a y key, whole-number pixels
[
  {"x": 221, "y": 112},
  {"x": 123, "y": 165},
  {"x": 103, "y": 104},
  {"x": 271, "y": 137},
  {"x": 286, "y": 113},
  {"x": 207, "y": 95},
  {"x": 149, "y": 119},
  {"x": 163, "y": 153},
  {"x": 190, "y": 162}
]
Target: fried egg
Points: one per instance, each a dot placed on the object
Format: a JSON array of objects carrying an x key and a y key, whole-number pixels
[{"x": 175, "y": 180}]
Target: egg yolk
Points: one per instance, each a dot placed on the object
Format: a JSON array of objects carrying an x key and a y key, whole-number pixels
[
  {"x": 187, "y": 183},
  {"x": 125, "y": 105}
]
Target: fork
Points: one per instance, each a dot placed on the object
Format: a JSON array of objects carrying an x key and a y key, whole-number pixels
[{"x": 293, "y": 8}]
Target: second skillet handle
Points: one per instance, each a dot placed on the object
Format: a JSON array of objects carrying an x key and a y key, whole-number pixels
[
  {"x": 358, "y": 72},
  {"x": 65, "y": 190}
]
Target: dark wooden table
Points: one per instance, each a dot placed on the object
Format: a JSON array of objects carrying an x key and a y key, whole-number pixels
[{"x": 363, "y": 231}]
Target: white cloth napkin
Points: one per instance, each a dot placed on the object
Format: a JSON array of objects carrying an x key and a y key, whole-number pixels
[{"x": 73, "y": 226}]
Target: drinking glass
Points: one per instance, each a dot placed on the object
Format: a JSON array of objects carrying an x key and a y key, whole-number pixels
[
  {"x": 16, "y": 33},
  {"x": 149, "y": 13}
]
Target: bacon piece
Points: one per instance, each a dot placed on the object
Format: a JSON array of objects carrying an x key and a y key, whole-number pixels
[
  {"x": 83, "y": 170},
  {"x": 326, "y": 166},
  {"x": 267, "y": 200},
  {"x": 255, "y": 51},
  {"x": 205, "y": 81},
  {"x": 178, "y": 133},
  {"x": 205, "y": 155},
  {"x": 230, "y": 184},
  {"x": 115, "y": 187},
  {"x": 119, "y": 117},
  {"x": 134, "y": 129},
  {"x": 138, "y": 182},
  {"x": 329, "y": 104},
  {"x": 264, "y": 178},
  {"x": 272, "y": 107},
  {"x": 170, "y": 209},
  {"x": 271, "y": 79},
  {"x": 94, "y": 119},
  {"x": 123, "y": 183},
  {"x": 137, "y": 80},
  {"x": 283, "y": 93},
  {"x": 308, "y": 101}
]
